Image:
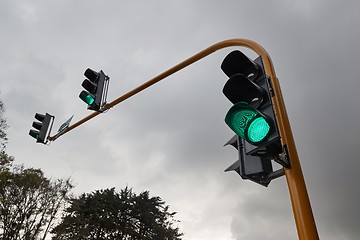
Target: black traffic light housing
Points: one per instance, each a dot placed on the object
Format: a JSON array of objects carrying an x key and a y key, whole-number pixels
[
  {"x": 43, "y": 127},
  {"x": 249, "y": 89},
  {"x": 248, "y": 83},
  {"x": 96, "y": 86}
]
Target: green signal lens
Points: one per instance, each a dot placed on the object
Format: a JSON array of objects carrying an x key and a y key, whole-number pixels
[
  {"x": 87, "y": 97},
  {"x": 248, "y": 123},
  {"x": 34, "y": 134},
  {"x": 258, "y": 129}
]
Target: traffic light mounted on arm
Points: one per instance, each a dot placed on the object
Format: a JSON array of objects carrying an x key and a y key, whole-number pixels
[
  {"x": 96, "y": 86},
  {"x": 43, "y": 127},
  {"x": 252, "y": 118}
]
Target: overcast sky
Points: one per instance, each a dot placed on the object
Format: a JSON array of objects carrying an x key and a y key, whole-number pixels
[{"x": 169, "y": 138}]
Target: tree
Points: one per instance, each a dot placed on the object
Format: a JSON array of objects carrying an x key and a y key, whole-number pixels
[
  {"x": 3, "y": 127},
  {"x": 30, "y": 203},
  {"x": 107, "y": 214},
  {"x": 5, "y": 160}
]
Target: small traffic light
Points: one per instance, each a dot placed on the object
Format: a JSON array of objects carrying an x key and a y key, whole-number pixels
[
  {"x": 252, "y": 118},
  {"x": 43, "y": 127},
  {"x": 96, "y": 86}
]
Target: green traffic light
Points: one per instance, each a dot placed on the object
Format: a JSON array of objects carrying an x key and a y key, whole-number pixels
[
  {"x": 248, "y": 123},
  {"x": 87, "y": 97}
]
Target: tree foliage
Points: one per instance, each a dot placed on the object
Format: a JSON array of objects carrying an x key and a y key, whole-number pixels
[
  {"x": 107, "y": 214},
  {"x": 29, "y": 202},
  {"x": 3, "y": 127}
]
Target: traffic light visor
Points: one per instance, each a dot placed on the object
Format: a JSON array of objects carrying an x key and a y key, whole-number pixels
[
  {"x": 40, "y": 117},
  {"x": 37, "y": 125},
  {"x": 91, "y": 75},
  {"x": 238, "y": 63},
  {"x": 241, "y": 89},
  {"x": 248, "y": 123},
  {"x": 89, "y": 85}
]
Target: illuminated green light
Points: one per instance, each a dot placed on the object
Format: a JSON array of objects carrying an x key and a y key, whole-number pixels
[
  {"x": 34, "y": 134},
  {"x": 248, "y": 123},
  {"x": 87, "y": 97},
  {"x": 258, "y": 129}
]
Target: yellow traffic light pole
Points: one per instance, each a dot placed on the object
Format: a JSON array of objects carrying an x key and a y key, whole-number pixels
[
  {"x": 301, "y": 206},
  {"x": 304, "y": 219}
]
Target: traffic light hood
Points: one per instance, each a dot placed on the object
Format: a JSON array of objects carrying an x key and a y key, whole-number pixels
[
  {"x": 241, "y": 89},
  {"x": 236, "y": 62}
]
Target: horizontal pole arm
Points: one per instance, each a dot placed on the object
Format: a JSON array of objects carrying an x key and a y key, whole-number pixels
[{"x": 220, "y": 45}]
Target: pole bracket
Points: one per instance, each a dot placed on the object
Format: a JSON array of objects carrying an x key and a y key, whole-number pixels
[{"x": 283, "y": 159}]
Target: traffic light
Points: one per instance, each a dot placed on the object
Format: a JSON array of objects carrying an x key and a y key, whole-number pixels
[
  {"x": 96, "y": 86},
  {"x": 43, "y": 127},
  {"x": 252, "y": 118}
]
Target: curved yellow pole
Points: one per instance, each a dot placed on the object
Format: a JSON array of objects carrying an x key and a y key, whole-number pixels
[
  {"x": 303, "y": 215},
  {"x": 227, "y": 43},
  {"x": 304, "y": 218}
]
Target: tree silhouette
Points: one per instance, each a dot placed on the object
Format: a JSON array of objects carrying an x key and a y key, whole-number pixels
[
  {"x": 29, "y": 203},
  {"x": 3, "y": 127},
  {"x": 107, "y": 214}
]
